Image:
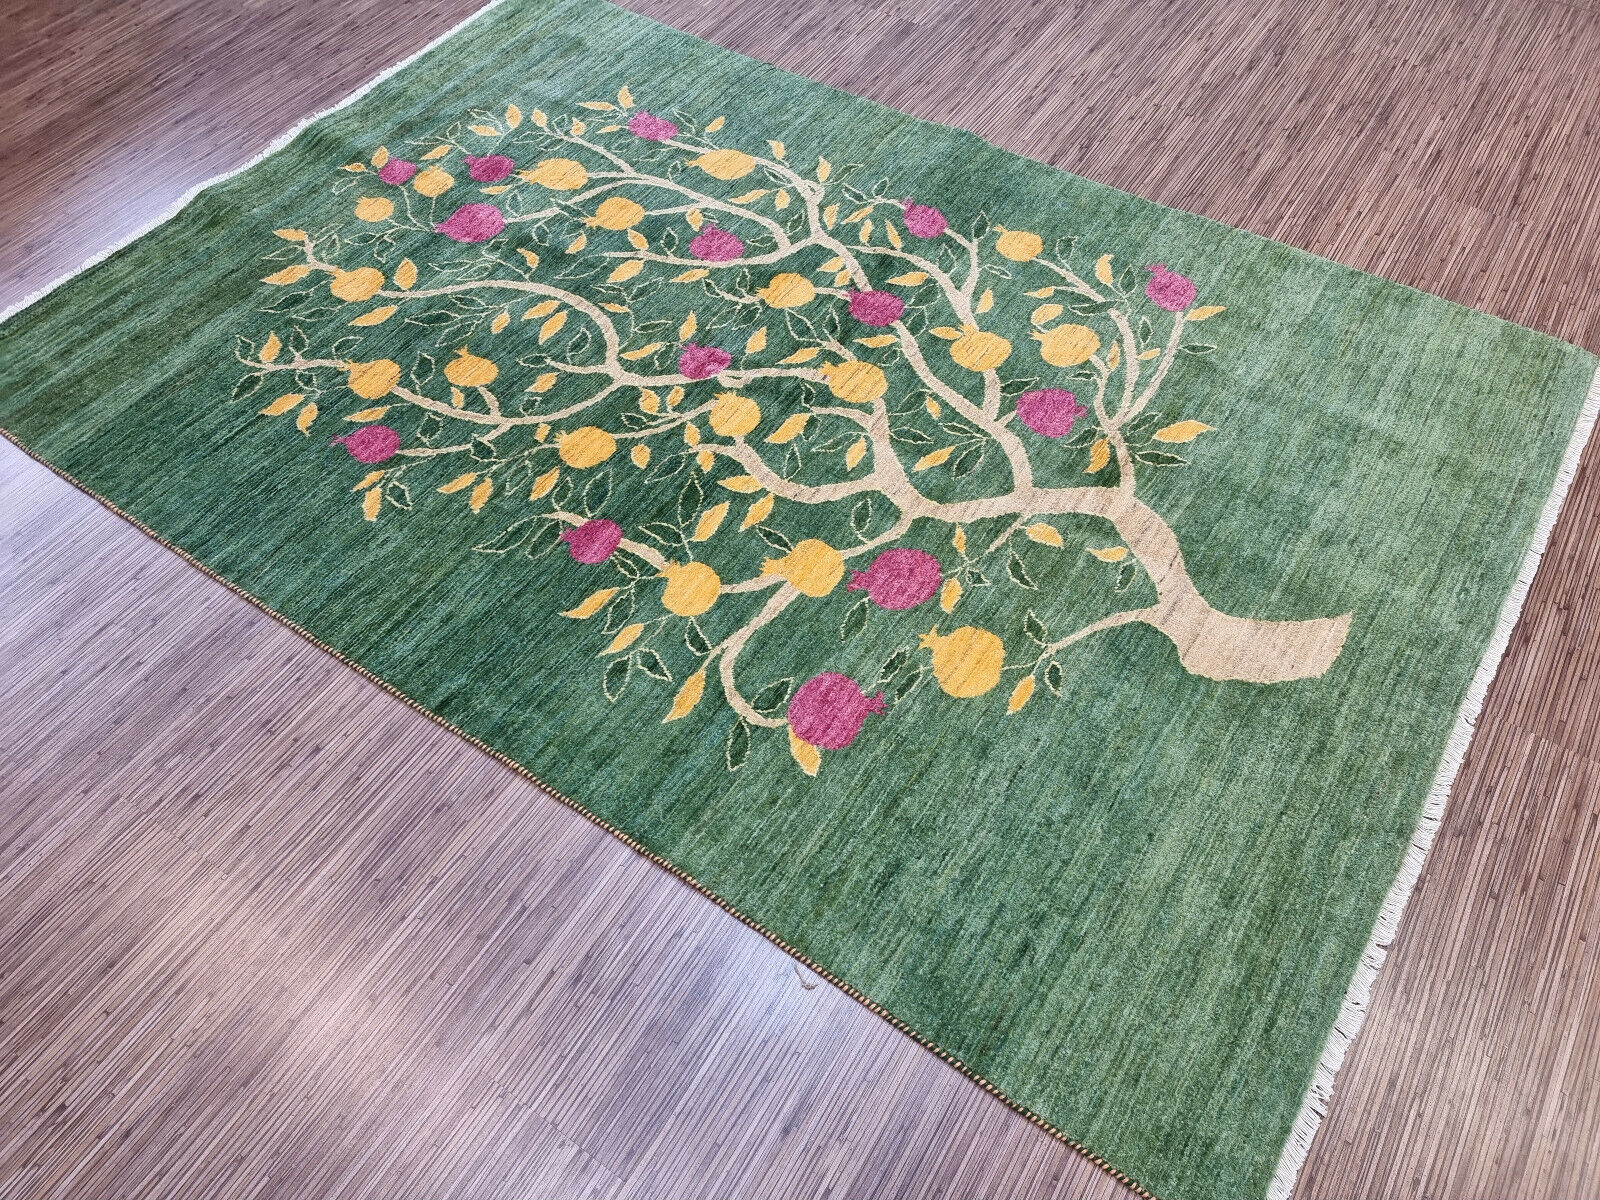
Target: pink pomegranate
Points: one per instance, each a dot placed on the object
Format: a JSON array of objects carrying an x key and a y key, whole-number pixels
[
  {"x": 828, "y": 710},
  {"x": 472, "y": 223},
  {"x": 702, "y": 362},
  {"x": 715, "y": 245},
  {"x": 651, "y": 128},
  {"x": 370, "y": 443},
  {"x": 898, "y": 579},
  {"x": 397, "y": 170},
  {"x": 924, "y": 221},
  {"x": 491, "y": 168},
  {"x": 593, "y": 541},
  {"x": 1168, "y": 289},
  {"x": 1049, "y": 412},
  {"x": 876, "y": 308}
]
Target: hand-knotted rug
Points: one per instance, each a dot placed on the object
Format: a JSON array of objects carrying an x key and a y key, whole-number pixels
[{"x": 1054, "y": 617}]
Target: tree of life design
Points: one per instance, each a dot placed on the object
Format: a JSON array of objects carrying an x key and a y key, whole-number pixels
[{"x": 826, "y": 355}]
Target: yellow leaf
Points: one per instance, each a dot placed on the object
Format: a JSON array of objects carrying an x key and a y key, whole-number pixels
[
  {"x": 894, "y": 237},
  {"x": 307, "y": 415},
  {"x": 531, "y": 257},
  {"x": 807, "y": 755},
  {"x": 854, "y": 455},
  {"x": 910, "y": 278},
  {"x": 791, "y": 428},
  {"x": 626, "y": 271},
  {"x": 1099, "y": 456},
  {"x": 933, "y": 458},
  {"x": 377, "y": 316},
  {"x": 1153, "y": 352},
  {"x": 804, "y": 354},
  {"x": 696, "y": 218},
  {"x": 860, "y": 214},
  {"x": 1102, "y": 269},
  {"x": 288, "y": 275},
  {"x": 649, "y": 400},
  {"x": 1046, "y": 312},
  {"x": 367, "y": 480},
  {"x": 935, "y": 409},
  {"x": 638, "y": 240},
  {"x": 436, "y": 152},
  {"x": 1045, "y": 534},
  {"x": 641, "y": 352},
  {"x": 485, "y": 130},
  {"x": 947, "y": 332},
  {"x": 1110, "y": 553},
  {"x": 544, "y": 383},
  {"x": 538, "y": 118},
  {"x": 480, "y": 495},
  {"x": 1204, "y": 311},
  {"x": 355, "y": 166},
  {"x": 878, "y": 341},
  {"x": 552, "y": 326},
  {"x": 686, "y": 330},
  {"x": 744, "y": 484},
  {"x": 542, "y": 432},
  {"x": 597, "y": 105},
  {"x": 405, "y": 275},
  {"x": 369, "y": 414},
  {"x": 986, "y": 301},
  {"x": 776, "y": 147},
  {"x": 781, "y": 200},
  {"x": 498, "y": 325},
  {"x": 458, "y": 398},
  {"x": 692, "y": 274},
  {"x": 757, "y": 341},
  {"x": 830, "y": 215},
  {"x": 270, "y": 348},
  {"x": 576, "y": 245},
  {"x": 709, "y": 521},
  {"x": 624, "y": 97},
  {"x": 688, "y": 696},
  {"x": 380, "y": 156},
  {"x": 513, "y": 116},
  {"x": 842, "y": 278},
  {"x": 705, "y": 459},
  {"x": 824, "y": 169},
  {"x": 758, "y": 512},
  {"x": 866, "y": 232},
  {"x": 1114, "y": 356},
  {"x": 291, "y": 235},
  {"x": 543, "y": 484},
  {"x": 593, "y": 604},
  {"x": 616, "y": 308},
  {"x": 1020, "y": 694},
  {"x": 459, "y": 482},
  {"x": 1043, "y": 293},
  {"x": 675, "y": 397},
  {"x": 640, "y": 455},
  {"x": 370, "y": 503},
  {"x": 626, "y": 636},
  {"x": 950, "y": 594},
  {"x": 542, "y": 309},
  {"x": 717, "y": 124},
  {"x": 282, "y": 405},
  {"x": 1181, "y": 431},
  {"x": 749, "y": 197},
  {"x": 691, "y": 434}
]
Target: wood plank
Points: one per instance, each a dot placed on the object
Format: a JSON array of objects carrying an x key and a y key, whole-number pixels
[{"x": 266, "y": 930}]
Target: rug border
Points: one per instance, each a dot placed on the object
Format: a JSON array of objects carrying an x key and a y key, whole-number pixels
[{"x": 1353, "y": 1009}]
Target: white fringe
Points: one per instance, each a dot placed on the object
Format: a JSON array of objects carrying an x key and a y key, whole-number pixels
[
  {"x": 277, "y": 144},
  {"x": 1354, "y": 1009}
]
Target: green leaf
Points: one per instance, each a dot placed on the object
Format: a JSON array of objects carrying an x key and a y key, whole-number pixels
[
  {"x": 1034, "y": 628},
  {"x": 1019, "y": 572},
  {"x": 772, "y": 697},
  {"x": 650, "y": 663},
  {"x": 737, "y": 750},
  {"x": 855, "y": 620},
  {"x": 616, "y": 677}
]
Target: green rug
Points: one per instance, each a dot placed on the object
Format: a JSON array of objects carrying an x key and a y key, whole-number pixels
[{"x": 1055, "y": 617}]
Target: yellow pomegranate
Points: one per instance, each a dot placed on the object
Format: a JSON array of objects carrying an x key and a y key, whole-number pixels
[
  {"x": 374, "y": 208},
  {"x": 787, "y": 291},
  {"x": 617, "y": 212},
  {"x": 734, "y": 415},
  {"x": 857, "y": 382},
  {"x": 588, "y": 446},
  {"x": 361, "y": 284},
  {"x": 373, "y": 380},
  {"x": 977, "y": 350},
  {"x": 724, "y": 164},
  {"x": 1067, "y": 345},
  {"x": 966, "y": 661},
  {"x": 1017, "y": 245},
  {"x": 692, "y": 588},
  {"x": 813, "y": 567},
  {"x": 468, "y": 370},
  {"x": 431, "y": 181},
  {"x": 557, "y": 174}
]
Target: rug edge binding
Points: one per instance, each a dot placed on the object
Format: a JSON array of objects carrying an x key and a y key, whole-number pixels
[{"x": 1352, "y": 1013}]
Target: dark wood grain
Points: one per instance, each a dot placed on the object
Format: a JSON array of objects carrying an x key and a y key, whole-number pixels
[{"x": 265, "y": 930}]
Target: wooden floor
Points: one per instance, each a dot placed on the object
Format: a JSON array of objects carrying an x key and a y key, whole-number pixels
[{"x": 265, "y": 931}]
